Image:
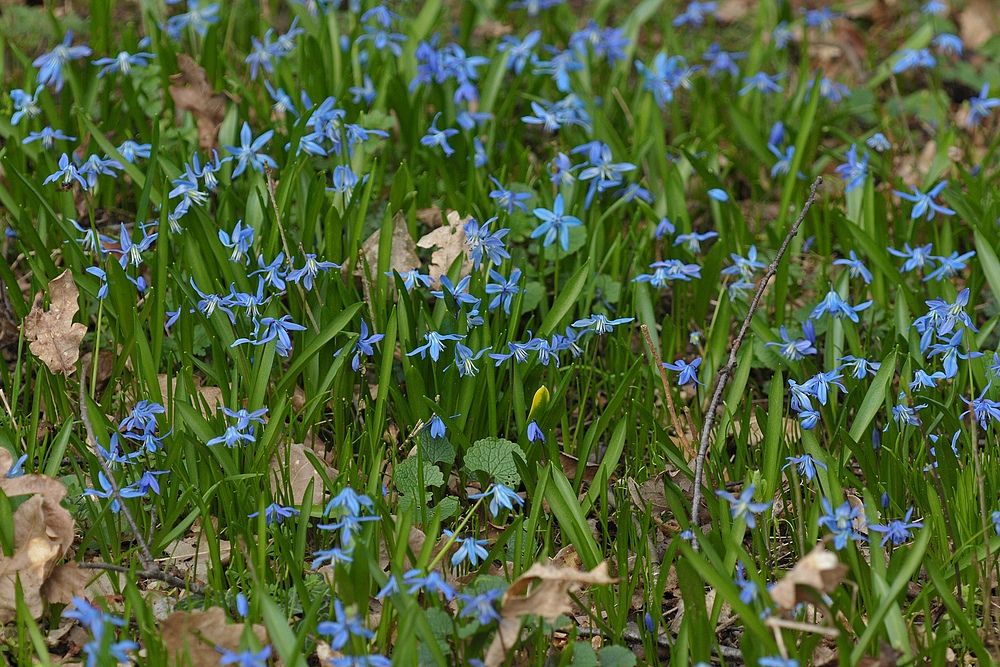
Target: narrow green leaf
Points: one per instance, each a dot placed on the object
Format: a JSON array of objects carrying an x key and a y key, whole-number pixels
[
  {"x": 568, "y": 294},
  {"x": 875, "y": 397}
]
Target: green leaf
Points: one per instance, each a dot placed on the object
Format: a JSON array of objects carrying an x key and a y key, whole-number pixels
[
  {"x": 875, "y": 397},
  {"x": 495, "y": 457},
  {"x": 616, "y": 656},
  {"x": 435, "y": 450},
  {"x": 583, "y": 655},
  {"x": 572, "y": 521},
  {"x": 407, "y": 481},
  {"x": 568, "y": 294}
]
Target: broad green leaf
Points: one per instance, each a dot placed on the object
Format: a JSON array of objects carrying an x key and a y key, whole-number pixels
[
  {"x": 495, "y": 457},
  {"x": 875, "y": 397},
  {"x": 616, "y": 656},
  {"x": 435, "y": 450}
]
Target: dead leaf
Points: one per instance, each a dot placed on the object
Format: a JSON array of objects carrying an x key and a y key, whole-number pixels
[
  {"x": 415, "y": 540},
  {"x": 732, "y": 10},
  {"x": 43, "y": 533},
  {"x": 429, "y": 217},
  {"x": 544, "y": 590},
  {"x": 820, "y": 570},
  {"x": 66, "y": 581},
  {"x": 191, "y": 91},
  {"x": 55, "y": 338},
  {"x": 403, "y": 255},
  {"x": 450, "y": 243},
  {"x": 292, "y": 464},
  {"x": 190, "y": 638},
  {"x": 570, "y": 465},
  {"x": 977, "y": 23}
]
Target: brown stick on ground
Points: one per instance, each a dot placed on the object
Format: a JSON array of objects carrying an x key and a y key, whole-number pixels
[{"x": 726, "y": 372}]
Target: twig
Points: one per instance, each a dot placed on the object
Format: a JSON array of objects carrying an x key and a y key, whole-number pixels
[
  {"x": 157, "y": 574},
  {"x": 727, "y": 371},
  {"x": 678, "y": 425},
  {"x": 149, "y": 566}
]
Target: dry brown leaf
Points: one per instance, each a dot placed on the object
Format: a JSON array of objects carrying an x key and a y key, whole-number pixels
[
  {"x": 732, "y": 10},
  {"x": 191, "y": 91},
  {"x": 544, "y": 590},
  {"x": 54, "y": 337},
  {"x": 190, "y": 638},
  {"x": 415, "y": 540},
  {"x": 429, "y": 217},
  {"x": 43, "y": 533},
  {"x": 819, "y": 570},
  {"x": 450, "y": 243},
  {"x": 570, "y": 465},
  {"x": 977, "y": 23},
  {"x": 291, "y": 461},
  {"x": 66, "y": 581},
  {"x": 402, "y": 257}
]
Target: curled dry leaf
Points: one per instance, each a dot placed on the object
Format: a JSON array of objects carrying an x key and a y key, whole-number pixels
[
  {"x": 543, "y": 590},
  {"x": 402, "y": 256},
  {"x": 192, "y": 92},
  {"x": 190, "y": 638},
  {"x": 54, "y": 337},
  {"x": 291, "y": 463},
  {"x": 43, "y": 533},
  {"x": 819, "y": 570},
  {"x": 449, "y": 242}
]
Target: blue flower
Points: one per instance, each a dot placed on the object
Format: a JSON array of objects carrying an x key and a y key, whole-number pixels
[
  {"x": 470, "y": 549},
  {"x": 860, "y": 368},
  {"x": 983, "y": 409},
  {"x": 667, "y": 75},
  {"x": 436, "y": 137},
  {"x": 500, "y": 497},
  {"x": 106, "y": 492},
  {"x": 695, "y": 13},
  {"x": 534, "y": 432},
  {"x": 68, "y": 172},
  {"x": 793, "y": 350},
  {"x": 275, "y": 513},
  {"x": 693, "y": 240},
  {"x": 903, "y": 414},
  {"x": 805, "y": 465},
  {"x": 503, "y": 288},
  {"x": 231, "y": 438},
  {"x": 50, "y": 65},
  {"x": 948, "y": 43},
  {"x": 26, "y": 106},
  {"x": 600, "y": 324},
  {"x": 925, "y": 201},
  {"x": 668, "y": 270},
  {"x": 981, "y": 106},
  {"x": 432, "y": 583},
  {"x": 245, "y": 658},
  {"x": 950, "y": 265},
  {"x": 309, "y": 271},
  {"x": 273, "y": 329},
  {"x": 123, "y": 62},
  {"x": 743, "y": 506},
  {"x": 48, "y": 136},
  {"x": 748, "y": 588},
  {"x": 262, "y": 56},
  {"x": 915, "y": 258},
  {"x": 481, "y": 606},
  {"x": 343, "y": 627},
  {"x": 131, "y": 150},
  {"x": 840, "y": 522},
  {"x": 688, "y": 372},
  {"x": 519, "y": 351},
  {"x": 833, "y": 304},
  {"x": 878, "y": 143},
  {"x": 198, "y": 18},
  {"x": 508, "y": 200},
  {"x": 479, "y": 240},
  {"x": 856, "y": 268},
  {"x": 908, "y": 59},
  {"x": 434, "y": 345},
  {"x": 897, "y": 531},
  {"x": 520, "y": 52},
  {"x": 334, "y": 557},
  {"x": 464, "y": 358},
  {"x": 777, "y": 661},
  {"x": 240, "y": 241},
  {"x": 248, "y": 153},
  {"x": 854, "y": 171},
  {"x": 762, "y": 82},
  {"x": 781, "y": 35}
]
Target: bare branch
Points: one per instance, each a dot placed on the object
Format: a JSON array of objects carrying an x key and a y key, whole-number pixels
[{"x": 726, "y": 372}]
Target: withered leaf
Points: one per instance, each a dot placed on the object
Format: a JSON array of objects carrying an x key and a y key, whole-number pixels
[
  {"x": 54, "y": 337},
  {"x": 190, "y": 638},
  {"x": 191, "y": 91},
  {"x": 819, "y": 570},
  {"x": 65, "y": 582},
  {"x": 543, "y": 590},
  {"x": 449, "y": 241},
  {"x": 402, "y": 257}
]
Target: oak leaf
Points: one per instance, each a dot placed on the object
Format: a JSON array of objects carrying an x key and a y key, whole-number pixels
[
  {"x": 190, "y": 638},
  {"x": 543, "y": 590},
  {"x": 55, "y": 338},
  {"x": 449, "y": 241}
]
